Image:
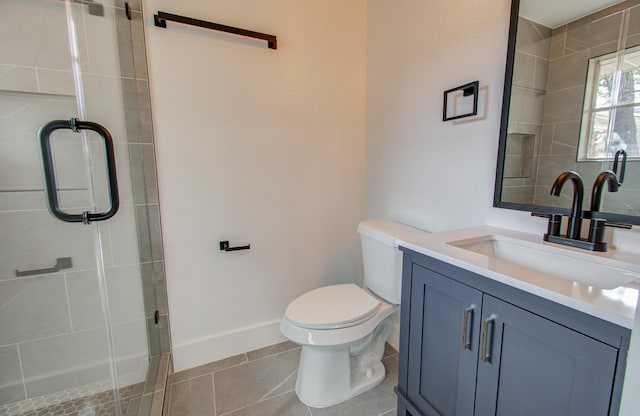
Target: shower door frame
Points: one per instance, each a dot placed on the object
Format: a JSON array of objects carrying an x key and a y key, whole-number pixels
[{"x": 148, "y": 397}]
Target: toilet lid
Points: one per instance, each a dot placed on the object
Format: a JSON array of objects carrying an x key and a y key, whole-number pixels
[{"x": 332, "y": 307}]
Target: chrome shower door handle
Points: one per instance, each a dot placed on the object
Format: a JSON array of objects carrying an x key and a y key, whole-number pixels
[
  {"x": 467, "y": 325},
  {"x": 486, "y": 339},
  {"x": 51, "y": 187}
]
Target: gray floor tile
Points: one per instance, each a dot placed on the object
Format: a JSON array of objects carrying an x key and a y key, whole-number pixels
[
  {"x": 193, "y": 397},
  {"x": 255, "y": 381},
  {"x": 284, "y": 405},
  {"x": 374, "y": 402},
  {"x": 209, "y": 368},
  {"x": 271, "y": 350}
]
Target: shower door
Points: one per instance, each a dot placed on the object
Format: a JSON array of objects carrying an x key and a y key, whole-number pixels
[{"x": 73, "y": 323}]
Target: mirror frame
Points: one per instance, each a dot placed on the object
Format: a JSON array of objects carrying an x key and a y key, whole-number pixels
[{"x": 502, "y": 145}]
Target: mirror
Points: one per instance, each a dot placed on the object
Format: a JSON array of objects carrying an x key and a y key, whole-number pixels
[{"x": 571, "y": 100}]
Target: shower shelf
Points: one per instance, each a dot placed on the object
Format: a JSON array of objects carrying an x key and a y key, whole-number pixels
[{"x": 161, "y": 18}]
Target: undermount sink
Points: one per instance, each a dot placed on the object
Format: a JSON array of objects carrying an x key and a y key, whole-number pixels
[{"x": 593, "y": 270}]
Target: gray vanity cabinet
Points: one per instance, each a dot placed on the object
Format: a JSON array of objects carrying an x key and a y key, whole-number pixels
[
  {"x": 472, "y": 346},
  {"x": 442, "y": 371},
  {"x": 534, "y": 366}
]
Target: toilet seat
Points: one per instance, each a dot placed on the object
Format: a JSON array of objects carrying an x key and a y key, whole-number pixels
[{"x": 332, "y": 307}]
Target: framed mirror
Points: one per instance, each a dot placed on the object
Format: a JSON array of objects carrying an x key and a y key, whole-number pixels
[{"x": 571, "y": 101}]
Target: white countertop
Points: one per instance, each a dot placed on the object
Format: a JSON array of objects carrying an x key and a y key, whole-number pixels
[{"x": 615, "y": 305}]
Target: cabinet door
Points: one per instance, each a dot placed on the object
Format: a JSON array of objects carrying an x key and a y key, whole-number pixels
[
  {"x": 533, "y": 366},
  {"x": 443, "y": 344}
]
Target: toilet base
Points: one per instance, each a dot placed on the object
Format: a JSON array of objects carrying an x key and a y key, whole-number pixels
[{"x": 331, "y": 375}]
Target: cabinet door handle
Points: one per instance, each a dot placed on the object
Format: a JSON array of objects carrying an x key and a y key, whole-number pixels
[
  {"x": 487, "y": 339},
  {"x": 467, "y": 325}
]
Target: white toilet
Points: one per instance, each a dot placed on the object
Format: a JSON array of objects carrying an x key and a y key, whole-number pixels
[{"x": 342, "y": 328}]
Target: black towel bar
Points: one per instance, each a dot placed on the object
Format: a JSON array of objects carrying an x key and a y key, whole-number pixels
[{"x": 161, "y": 18}]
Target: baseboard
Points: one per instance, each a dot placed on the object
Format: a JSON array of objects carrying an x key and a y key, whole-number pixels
[{"x": 226, "y": 344}]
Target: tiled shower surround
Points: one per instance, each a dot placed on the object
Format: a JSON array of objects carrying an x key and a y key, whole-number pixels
[
  {"x": 54, "y": 338},
  {"x": 546, "y": 105}
]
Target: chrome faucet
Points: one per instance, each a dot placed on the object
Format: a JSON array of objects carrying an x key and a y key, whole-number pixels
[{"x": 575, "y": 218}]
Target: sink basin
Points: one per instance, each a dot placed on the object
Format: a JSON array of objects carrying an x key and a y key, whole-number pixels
[{"x": 594, "y": 270}]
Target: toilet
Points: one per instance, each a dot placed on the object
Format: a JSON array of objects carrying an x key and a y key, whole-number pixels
[{"x": 343, "y": 328}]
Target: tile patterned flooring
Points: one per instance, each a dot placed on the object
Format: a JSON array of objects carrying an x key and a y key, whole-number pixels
[
  {"x": 99, "y": 404},
  {"x": 262, "y": 383},
  {"x": 143, "y": 398}
]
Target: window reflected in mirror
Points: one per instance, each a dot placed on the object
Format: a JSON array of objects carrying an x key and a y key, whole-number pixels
[{"x": 611, "y": 118}]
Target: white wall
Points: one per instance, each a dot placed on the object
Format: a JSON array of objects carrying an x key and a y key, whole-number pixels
[
  {"x": 420, "y": 170},
  {"x": 259, "y": 146}
]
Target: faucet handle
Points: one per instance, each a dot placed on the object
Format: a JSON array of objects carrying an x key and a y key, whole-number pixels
[
  {"x": 596, "y": 232},
  {"x": 555, "y": 222},
  {"x": 615, "y": 224},
  {"x": 540, "y": 214}
]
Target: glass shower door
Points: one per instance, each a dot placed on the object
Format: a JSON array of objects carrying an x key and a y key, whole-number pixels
[{"x": 73, "y": 332}]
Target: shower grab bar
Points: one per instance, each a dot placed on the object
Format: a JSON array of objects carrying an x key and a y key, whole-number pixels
[
  {"x": 61, "y": 263},
  {"x": 161, "y": 18},
  {"x": 51, "y": 186}
]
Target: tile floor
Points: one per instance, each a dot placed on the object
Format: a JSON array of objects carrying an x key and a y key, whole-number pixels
[
  {"x": 99, "y": 404},
  {"x": 262, "y": 383}
]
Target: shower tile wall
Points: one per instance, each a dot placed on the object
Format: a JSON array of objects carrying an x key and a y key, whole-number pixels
[
  {"x": 527, "y": 98},
  {"x": 60, "y": 315}
]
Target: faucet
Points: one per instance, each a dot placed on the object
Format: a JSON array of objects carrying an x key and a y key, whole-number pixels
[
  {"x": 596, "y": 195},
  {"x": 595, "y": 241},
  {"x": 596, "y": 226},
  {"x": 575, "y": 218}
]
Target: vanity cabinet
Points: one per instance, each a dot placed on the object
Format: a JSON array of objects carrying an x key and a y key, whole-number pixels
[{"x": 472, "y": 346}]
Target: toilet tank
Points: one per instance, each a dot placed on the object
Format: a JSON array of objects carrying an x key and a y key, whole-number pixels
[{"x": 381, "y": 257}]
